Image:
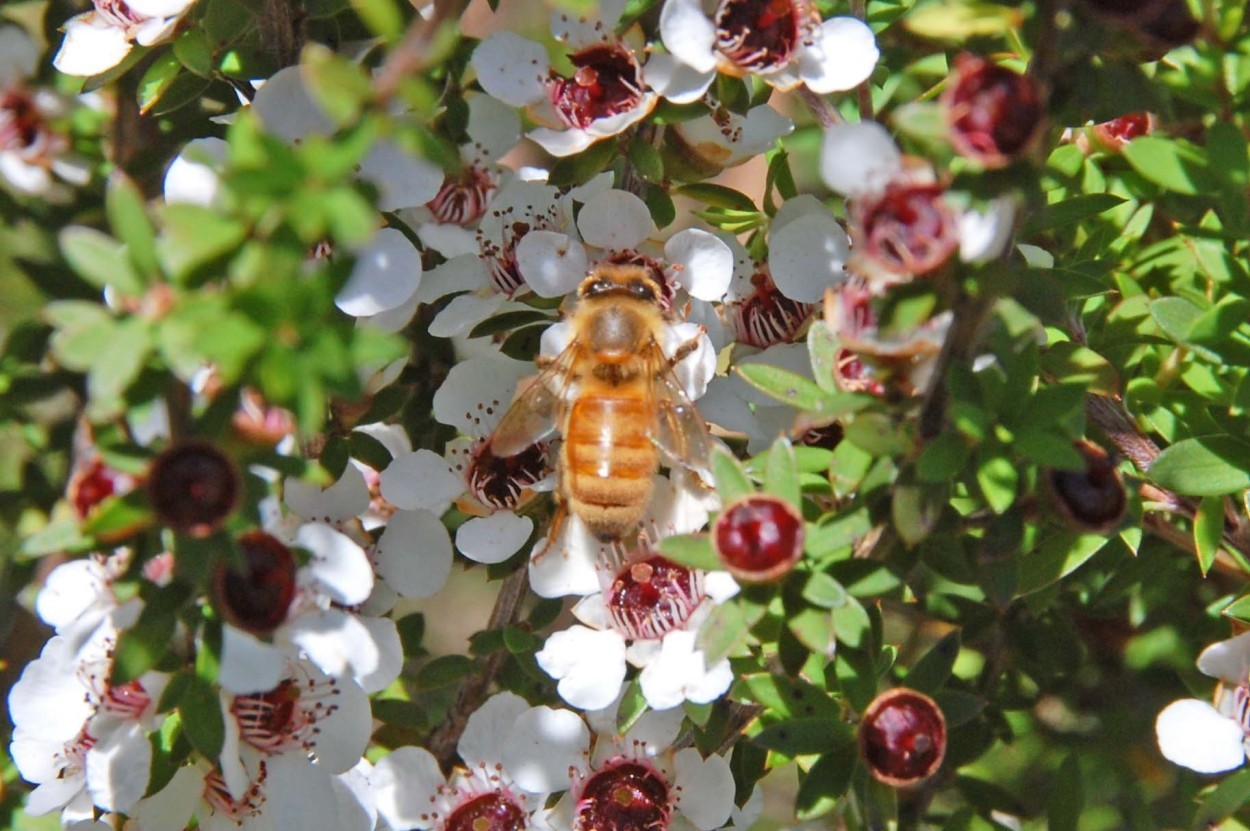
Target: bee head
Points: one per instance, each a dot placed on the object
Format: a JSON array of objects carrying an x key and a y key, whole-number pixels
[{"x": 618, "y": 280}]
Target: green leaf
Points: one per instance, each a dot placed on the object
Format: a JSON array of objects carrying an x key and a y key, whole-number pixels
[
  {"x": 1208, "y": 531},
  {"x": 100, "y": 260},
  {"x": 338, "y": 86},
  {"x": 793, "y": 389},
  {"x": 934, "y": 667},
  {"x": 732, "y": 481},
  {"x": 193, "y": 51},
  {"x": 407, "y": 715},
  {"x": 1173, "y": 164},
  {"x": 1057, "y": 557},
  {"x": 724, "y": 632},
  {"x": 382, "y": 16},
  {"x": 116, "y": 365},
  {"x": 998, "y": 478},
  {"x": 718, "y": 196},
  {"x": 804, "y": 736},
  {"x": 1205, "y": 466},
  {"x": 157, "y": 80},
  {"x": 202, "y": 720},
  {"x": 789, "y": 698},
  {"x": 1076, "y": 364},
  {"x": 823, "y": 349},
  {"x": 1071, "y": 211},
  {"x": 443, "y": 671},
  {"x": 1225, "y": 799},
  {"x": 915, "y": 510},
  {"x": 119, "y": 517},
  {"x": 128, "y": 217},
  {"x": 943, "y": 458},
  {"x": 961, "y": 19},
  {"x": 1239, "y": 609},
  {"x": 781, "y": 472},
  {"x": 691, "y": 551},
  {"x": 141, "y": 646},
  {"x": 56, "y": 537},
  {"x": 633, "y": 705},
  {"x": 852, "y": 624},
  {"x": 194, "y": 236},
  {"x": 646, "y": 160},
  {"x": 825, "y": 782},
  {"x": 1067, "y": 796},
  {"x": 815, "y": 629},
  {"x": 959, "y": 707},
  {"x": 83, "y": 329},
  {"x": 824, "y": 591}
]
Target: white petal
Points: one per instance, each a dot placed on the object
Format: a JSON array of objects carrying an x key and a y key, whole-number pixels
[
  {"x": 704, "y": 263},
  {"x": 511, "y": 68},
  {"x": 172, "y": 806},
  {"x": 335, "y": 641},
  {"x": 404, "y": 784},
  {"x": 117, "y": 768},
  {"x": 338, "y": 563},
  {"x": 160, "y": 8},
  {"x": 808, "y": 256},
  {"x": 657, "y": 729},
  {"x": 450, "y": 240},
  {"x": 493, "y": 126},
  {"x": 386, "y": 274},
  {"x": 707, "y": 788},
  {"x": 677, "y": 81},
  {"x": 354, "y": 798},
  {"x": 392, "y": 321},
  {"x": 589, "y": 665},
  {"x": 720, "y": 585},
  {"x": 858, "y": 158},
  {"x": 553, "y": 264},
  {"x": 299, "y": 796},
  {"x": 486, "y": 732},
  {"x": 248, "y": 664},
  {"x": 154, "y": 30},
  {"x": 49, "y": 702},
  {"x": 562, "y": 143},
  {"x": 542, "y": 745},
  {"x": 616, "y": 220},
  {"x": 680, "y": 674},
  {"x": 477, "y": 391},
  {"x": 421, "y": 479},
  {"x": 53, "y": 794},
  {"x": 285, "y": 108},
  {"x": 1193, "y": 734},
  {"x": 91, "y": 46},
  {"x": 402, "y": 179},
  {"x": 194, "y": 176},
  {"x": 18, "y": 56},
  {"x": 71, "y": 590},
  {"x": 841, "y": 58},
  {"x": 342, "y": 733},
  {"x": 982, "y": 236},
  {"x": 414, "y": 554},
  {"x": 27, "y": 178},
  {"x": 384, "y": 638},
  {"x": 592, "y": 610},
  {"x": 795, "y": 207},
  {"x": 495, "y": 538},
  {"x": 345, "y": 499},
  {"x": 695, "y": 371},
  {"x": 463, "y": 313},
  {"x": 568, "y": 565},
  {"x": 688, "y": 34},
  {"x": 1227, "y": 660}
]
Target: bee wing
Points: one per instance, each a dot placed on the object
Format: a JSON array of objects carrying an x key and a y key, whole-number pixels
[
  {"x": 681, "y": 434},
  {"x": 535, "y": 414}
]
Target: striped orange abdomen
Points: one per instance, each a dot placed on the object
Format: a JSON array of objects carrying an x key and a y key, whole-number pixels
[{"x": 609, "y": 462}]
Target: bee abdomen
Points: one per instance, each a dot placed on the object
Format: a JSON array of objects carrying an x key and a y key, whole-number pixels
[{"x": 610, "y": 462}]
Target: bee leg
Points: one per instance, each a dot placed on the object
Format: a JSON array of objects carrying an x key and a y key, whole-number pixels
[
  {"x": 685, "y": 349},
  {"x": 554, "y": 530}
]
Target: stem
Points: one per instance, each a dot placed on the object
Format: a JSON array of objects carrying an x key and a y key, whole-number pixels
[
  {"x": 863, "y": 92},
  {"x": 409, "y": 57},
  {"x": 820, "y": 108},
  {"x": 476, "y": 685},
  {"x": 961, "y": 340}
]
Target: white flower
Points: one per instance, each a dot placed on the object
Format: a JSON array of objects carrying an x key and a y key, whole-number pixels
[
  {"x": 645, "y": 614},
  {"x": 735, "y": 405},
  {"x": 723, "y": 139},
  {"x": 277, "y": 796},
  {"x": 81, "y": 739},
  {"x": 807, "y": 249},
  {"x": 754, "y": 311},
  {"x": 515, "y": 755},
  {"x": 1206, "y": 738},
  {"x": 661, "y": 784},
  {"x": 100, "y": 39},
  {"x": 785, "y": 43},
  {"x": 312, "y": 724},
  {"x": 606, "y": 94}
]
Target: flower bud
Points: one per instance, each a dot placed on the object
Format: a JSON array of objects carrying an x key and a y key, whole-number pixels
[
  {"x": 1093, "y": 500},
  {"x": 902, "y": 737},
  {"x": 193, "y": 487},
  {"x": 759, "y": 538},
  {"x": 1112, "y": 135},
  {"x": 993, "y": 112},
  {"x": 257, "y": 597}
]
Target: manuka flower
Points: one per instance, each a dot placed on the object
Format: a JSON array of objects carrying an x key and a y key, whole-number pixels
[
  {"x": 606, "y": 93},
  {"x": 782, "y": 41},
  {"x": 100, "y": 39},
  {"x": 1212, "y": 738}
]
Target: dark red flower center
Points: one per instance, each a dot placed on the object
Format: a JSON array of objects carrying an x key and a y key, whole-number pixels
[
  {"x": 1095, "y": 497},
  {"x": 902, "y": 736},
  {"x": 759, "y": 538},
  {"x": 993, "y": 111},
  {"x": 193, "y": 487},
  {"x": 463, "y": 199},
  {"x": 491, "y": 812},
  {"x": 91, "y": 485},
  {"x": 128, "y": 700},
  {"x": 21, "y": 122},
  {"x": 759, "y": 35},
  {"x": 257, "y": 597},
  {"x": 652, "y": 597},
  {"x": 908, "y": 228},
  {"x": 624, "y": 796},
  {"x": 767, "y": 316},
  {"x": 117, "y": 13},
  {"x": 607, "y": 82},
  {"x": 1126, "y": 127},
  {"x": 499, "y": 481}
]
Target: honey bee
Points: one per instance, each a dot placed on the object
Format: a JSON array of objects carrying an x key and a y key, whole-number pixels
[{"x": 613, "y": 399}]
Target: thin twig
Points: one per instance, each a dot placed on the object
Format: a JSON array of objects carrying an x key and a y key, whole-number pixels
[
  {"x": 823, "y": 111},
  {"x": 961, "y": 340},
  {"x": 410, "y": 56},
  {"x": 476, "y": 685},
  {"x": 863, "y": 92}
]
